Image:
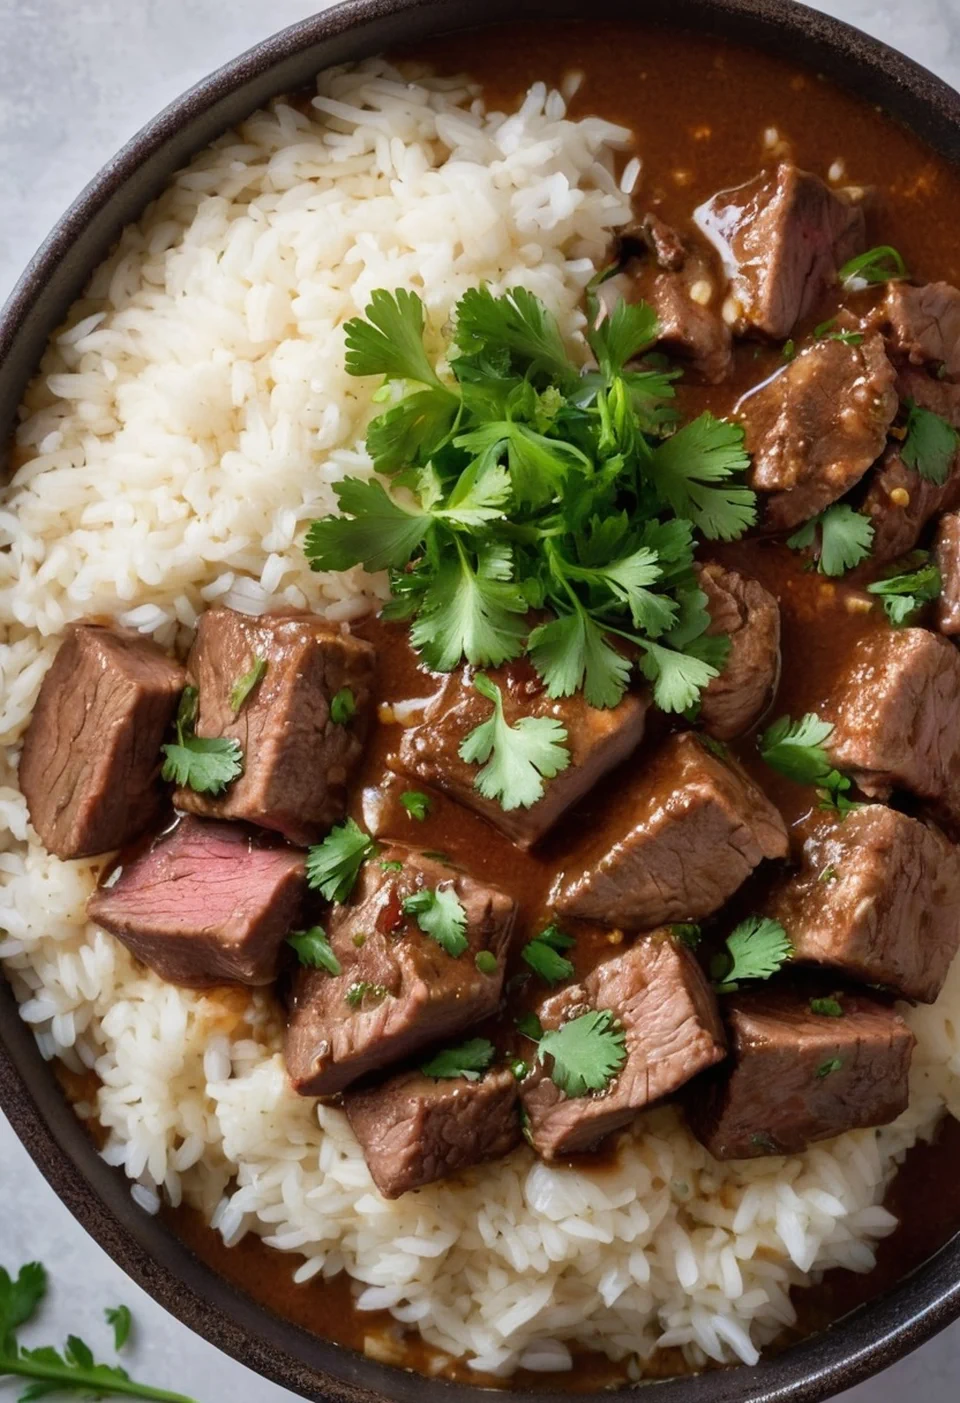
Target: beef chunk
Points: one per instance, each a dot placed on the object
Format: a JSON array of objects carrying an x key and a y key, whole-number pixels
[
  {"x": 674, "y": 845},
  {"x": 659, "y": 996},
  {"x": 750, "y": 617},
  {"x": 398, "y": 989},
  {"x": 817, "y": 426},
  {"x": 877, "y": 897},
  {"x": 947, "y": 556},
  {"x": 923, "y": 324},
  {"x": 796, "y": 1076},
  {"x": 414, "y": 1129},
  {"x": 90, "y": 768},
  {"x": 598, "y": 740},
  {"x": 208, "y": 903},
  {"x": 896, "y": 715},
  {"x": 685, "y": 302},
  {"x": 297, "y": 758},
  {"x": 782, "y": 237}
]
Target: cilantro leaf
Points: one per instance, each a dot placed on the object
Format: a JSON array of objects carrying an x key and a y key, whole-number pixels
[
  {"x": 334, "y": 864},
  {"x": 343, "y": 707},
  {"x": 486, "y": 962},
  {"x": 374, "y": 532},
  {"x": 626, "y": 578},
  {"x": 19, "y": 1298},
  {"x": 516, "y": 759},
  {"x": 546, "y": 961},
  {"x": 796, "y": 749},
  {"x": 685, "y": 468},
  {"x": 469, "y": 1060},
  {"x": 362, "y": 989},
  {"x": 417, "y": 804},
  {"x": 905, "y": 593},
  {"x": 832, "y": 1065},
  {"x": 877, "y": 265},
  {"x": 587, "y": 1052},
  {"x": 388, "y": 339},
  {"x": 518, "y": 324},
  {"x": 314, "y": 949},
  {"x": 827, "y": 1008},
  {"x": 244, "y": 685},
  {"x": 678, "y": 678},
  {"x": 846, "y": 537},
  {"x": 440, "y": 914},
  {"x": 687, "y": 933},
  {"x": 631, "y": 327},
  {"x": 122, "y": 1321},
  {"x": 471, "y": 611},
  {"x": 529, "y": 1024},
  {"x": 756, "y": 949},
  {"x": 571, "y": 651},
  {"x": 205, "y": 765},
  {"x": 413, "y": 428},
  {"x": 538, "y": 465},
  {"x": 931, "y": 444},
  {"x": 480, "y": 496}
]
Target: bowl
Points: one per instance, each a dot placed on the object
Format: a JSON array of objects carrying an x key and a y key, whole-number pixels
[{"x": 873, "y": 1336}]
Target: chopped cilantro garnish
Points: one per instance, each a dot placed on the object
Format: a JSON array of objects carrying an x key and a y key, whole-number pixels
[
  {"x": 244, "y": 685},
  {"x": 846, "y": 537},
  {"x": 469, "y": 1060},
  {"x": 789, "y": 349},
  {"x": 333, "y": 865},
  {"x": 363, "y": 989},
  {"x": 314, "y": 949},
  {"x": 828, "y": 1068},
  {"x": 417, "y": 804},
  {"x": 878, "y": 265},
  {"x": 827, "y": 1008},
  {"x": 931, "y": 444},
  {"x": 825, "y": 332},
  {"x": 519, "y": 1068},
  {"x": 205, "y": 765},
  {"x": 756, "y": 949},
  {"x": 486, "y": 962},
  {"x": 904, "y": 592},
  {"x": 391, "y": 865},
  {"x": 763, "y": 1142},
  {"x": 343, "y": 707},
  {"x": 587, "y": 1052},
  {"x": 796, "y": 749},
  {"x": 530, "y": 1026},
  {"x": 687, "y": 934},
  {"x": 516, "y": 759},
  {"x": 543, "y": 955},
  {"x": 829, "y": 874},
  {"x": 440, "y": 914}
]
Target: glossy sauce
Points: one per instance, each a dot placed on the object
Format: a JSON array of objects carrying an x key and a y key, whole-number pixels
[{"x": 700, "y": 110}]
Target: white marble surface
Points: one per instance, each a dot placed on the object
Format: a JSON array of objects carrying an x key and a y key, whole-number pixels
[{"x": 77, "y": 77}]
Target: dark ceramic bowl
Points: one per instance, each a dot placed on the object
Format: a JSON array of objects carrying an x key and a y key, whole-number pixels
[{"x": 864, "y": 1342}]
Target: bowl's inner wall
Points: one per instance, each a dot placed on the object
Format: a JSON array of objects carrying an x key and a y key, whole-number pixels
[{"x": 29, "y": 1093}]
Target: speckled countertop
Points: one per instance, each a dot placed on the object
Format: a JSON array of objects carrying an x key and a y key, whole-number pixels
[{"x": 77, "y": 77}]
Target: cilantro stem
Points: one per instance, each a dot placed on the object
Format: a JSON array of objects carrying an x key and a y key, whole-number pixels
[{"x": 72, "y": 1378}]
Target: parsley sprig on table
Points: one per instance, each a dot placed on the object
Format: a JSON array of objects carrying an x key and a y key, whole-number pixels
[
  {"x": 756, "y": 949},
  {"x": 204, "y": 764},
  {"x": 74, "y": 1371},
  {"x": 911, "y": 583},
  {"x": 519, "y": 483},
  {"x": 796, "y": 750}
]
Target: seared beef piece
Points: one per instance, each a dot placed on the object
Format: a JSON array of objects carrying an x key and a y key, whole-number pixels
[
  {"x": 597, "y": 740},
  {"x": 923, "y": 324},
  {"x": 90, "y": 768},
  {"x": 947, "y": 556},
  {"x": 296, "y": 758},
  {"x": 796, "y": 1076},
  {"x": 414, "y": 1129},
  {"x": 750, "y": 617},
  {"x": 673, "y": 846},
  {"x": 896, "y": 715},
  {"x": 690, "y": 329},
  {"x": 899, "y": 501},
  {"x": 660, "y": 997},
  {"x": 208, "y": 903},
  {"x": 817, "y": 426},
  {"x": 398, "y": 989},
  {"x": 877, "y": 897},
  {"x": 781, "y": 237}
]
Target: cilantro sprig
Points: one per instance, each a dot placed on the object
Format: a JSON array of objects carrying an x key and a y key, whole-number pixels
[
  {"x": 586, "y": 1053},
  {"x": 910, "y": 584},
  {"x": 470, "y": 1060},
  {"x": 755, "y": 950},
  {"x": 334, "y": 865},
  {"x": 73, "y": 1371},
  {"x": 796, "y": 750},
  {"x": 519, "y": 482},
  {"x": 242, "y": 688},
  {"x": 204, "y": 764},
  {"x": 845, "y": 539},
  {"x": 544, "y": 954},
  {"x": 516, "y": 759},
  {"x": 931, "y": 444},
  {"x": 314, "y": 949},
  {"x": 440, "y": 914}
]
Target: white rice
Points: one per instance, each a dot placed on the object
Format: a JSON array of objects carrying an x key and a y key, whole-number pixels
[{"x": 183, "y": 430}]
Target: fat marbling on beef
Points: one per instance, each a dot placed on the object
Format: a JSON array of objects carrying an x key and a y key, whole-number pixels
[
  {"x": 673, "y": 844},
  {"x": 877, "y": 898},
  {"x": 206, "y": 904},
  {"x": 398, "y": 990},
  {"x": 796, "y": 1076},
  {"x": 743, "y": 611},
  {"x": 414, "y": 1129},
  {"x": 297, "y": 757},
  {"x": 659, "y": 996},
  {"x": 90, "y": 767}
]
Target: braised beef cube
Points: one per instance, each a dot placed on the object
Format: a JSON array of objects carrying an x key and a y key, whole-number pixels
[
  {"x": 923, "y": 324},
  {"x": 208, "y": 903},
  {"x": 796, "y": 1076},
  {"x": 749, "y": 616},
  {"x": 781, "y": 237},
  {"x": 877, "y": 897},
  {"x": 300, "y": 743},
  {"x": 691, "y": 327},
  {"x": 816, "y": 427},
  {"x": 667, "y": 1011},
  {"x": 664, "y": 243},
  {"x": 674, "y": 845},
  {"x": 947, "y": 556},
  {"x": 896, "y": 715},
  {"x": 899, "y": 501},
  {"x": 398, "y": 989},
  {"x": 414, "y": 1129},
  {"x": 597, "y": 741},
  {"x": 90, "y": 767}
]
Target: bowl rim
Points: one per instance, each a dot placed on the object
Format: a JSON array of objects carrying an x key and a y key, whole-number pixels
[{"x": 97, "y": 1195}]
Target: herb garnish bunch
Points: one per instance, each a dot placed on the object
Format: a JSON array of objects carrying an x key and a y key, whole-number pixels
[{"x": 520, "y": 482}]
